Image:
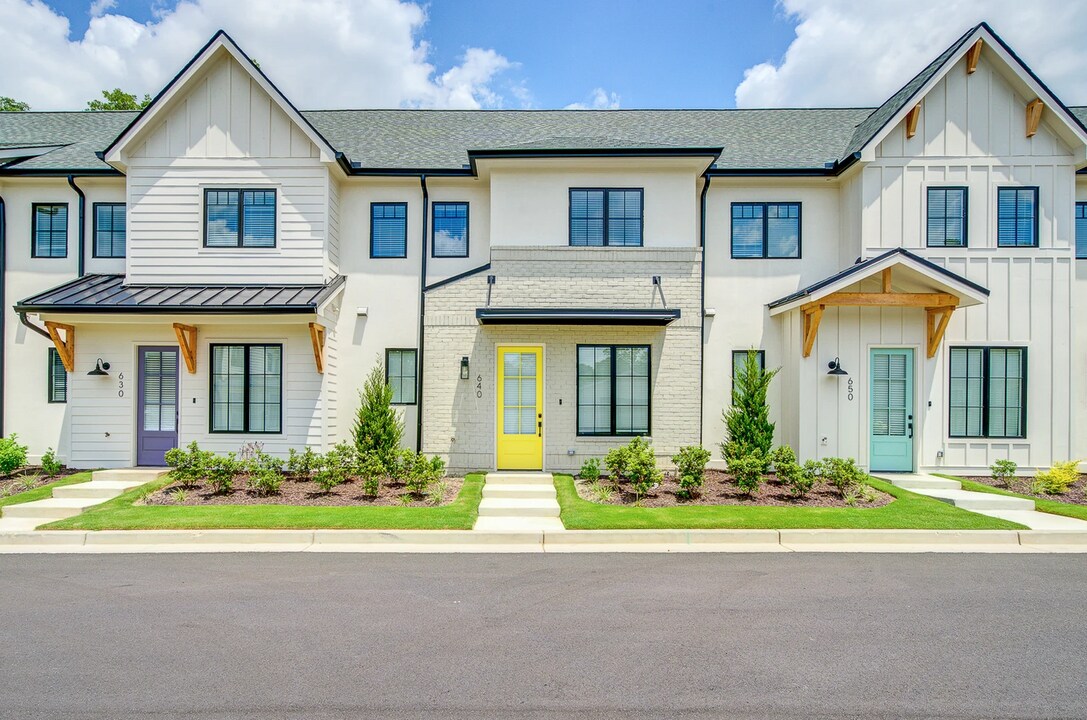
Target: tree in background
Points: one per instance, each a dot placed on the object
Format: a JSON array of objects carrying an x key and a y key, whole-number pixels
[
  {"x": 748, "y": 425},
  {"x": 12, "y": 105},
  {"x": 378, "y": 427},
  {"x": 118, "y": 99}
]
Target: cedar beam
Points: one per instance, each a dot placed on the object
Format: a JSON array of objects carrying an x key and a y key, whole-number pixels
[
  {"x": 1034, "y": 116},
  {"x": 65, "y": 346},
  {"x": 812, "y": 319},
  {"x": 892, "y": 299},
  {"x": 972, "y": 57},
  {"x": 887, "y": 281},
  {"x": 186, "y": 338},
  {"x": 936, "y": 328},
  {"x": 317, "y": 337},
  {"x": 911, "y": 120}
]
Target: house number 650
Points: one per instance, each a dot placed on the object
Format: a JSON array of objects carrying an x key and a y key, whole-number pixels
[
  {"x": 849, "y": 389},
  {"x": 120, "y": 384}
]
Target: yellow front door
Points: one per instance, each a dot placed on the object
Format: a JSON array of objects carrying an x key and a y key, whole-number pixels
[{"x": 520, "y": 408}]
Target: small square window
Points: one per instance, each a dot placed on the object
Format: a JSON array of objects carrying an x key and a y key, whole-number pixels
[
  {"x": 239, "y": 218},
  {"x": 400, "y": 375},
  {"x": 389, "y": 230},
  {"x": 49, "y": 230},
  {"x": 766, "y": 230},
  {"x": 1017, "y": 217},
  {"x": 946, "y": 223},
  {"x": 606, "y": 216},
  {"x": 450, "y": 233},
  {"x": 109, "y": 230}
]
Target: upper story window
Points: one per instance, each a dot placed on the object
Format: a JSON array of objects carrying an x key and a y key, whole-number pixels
[
  {"x": 240, "y": 218},
  {"x": 450, "y": 239},
  {"x": 606, "y": 216},
  {"x": 765, "y": 230},
  {"x": 49, "y": 230},
  {"x": 388, "y": 230},
  {"x": 1081, "y": 230},
  {"x": 946, "y": 217},
  {"x": 1017, "y": 217},
  {"x": 109, "y": 230}
]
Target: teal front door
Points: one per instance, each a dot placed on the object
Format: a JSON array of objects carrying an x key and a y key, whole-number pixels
[{"x": 891, "y": 417}]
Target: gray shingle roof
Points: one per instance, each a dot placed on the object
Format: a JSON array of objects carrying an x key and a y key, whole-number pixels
[{"x": 80, "y": 135}]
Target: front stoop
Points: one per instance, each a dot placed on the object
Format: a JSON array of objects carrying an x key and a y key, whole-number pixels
[
  {"x": 1006, "y": 507},
  {"x": 518, "y": 502},
  {"x": 71, "y": 500}
]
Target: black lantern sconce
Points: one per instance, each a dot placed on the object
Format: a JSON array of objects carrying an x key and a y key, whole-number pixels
[
  {"x": 464, "y": 368},
  {"x": 100, "y": 368},
  {"x": 835, "y": 366}
]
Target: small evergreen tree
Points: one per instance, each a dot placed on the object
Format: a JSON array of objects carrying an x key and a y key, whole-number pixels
[
  {"x": 747, "y": 422},
  {"x": 378, "y": 427}
]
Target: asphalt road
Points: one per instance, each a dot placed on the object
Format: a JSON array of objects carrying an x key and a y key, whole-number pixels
[{"x": 538, "y": 636}]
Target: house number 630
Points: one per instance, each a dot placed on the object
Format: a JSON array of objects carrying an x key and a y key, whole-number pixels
[
  {"x": 849, "y": 389},
  {"x": 120, "y": 384}
]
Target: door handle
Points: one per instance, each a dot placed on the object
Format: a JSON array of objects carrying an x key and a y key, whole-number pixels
[
  {"x": 539, "y": 425},
  {"x": 910, "y": 426}
]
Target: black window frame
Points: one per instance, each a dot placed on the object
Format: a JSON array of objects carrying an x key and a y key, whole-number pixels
[
  {"x": 245, "y": 399},
  {"x": 1081, "y": 209},
  {"x": 766, "y": 231},
  {"x": 95, "y": 207},
  {"x": 388, "y": 204},
  {"x": 54, "y": 362},
  {"x": 606, "y": 191},
  {"x": 760, "y": 354},
  {"x": 1037, "y": 213},
  {"x": 415, "y": 362},
  {"x": 34, "y": 229},
  {"x": 434, "y": 228},
  {"x": 649, "y": 390},
  {"x": 965, "y": 215},
  {"x": 985, "y": 380},
  {"x": 241, "y": 218}
]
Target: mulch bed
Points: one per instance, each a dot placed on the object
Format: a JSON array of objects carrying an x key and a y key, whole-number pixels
[
  {"x": 13, "y": 484},
  {"x": 1077, "y": 494},
  {"x": 721, "y": 489},
  {"x": 299, "y": 491}
]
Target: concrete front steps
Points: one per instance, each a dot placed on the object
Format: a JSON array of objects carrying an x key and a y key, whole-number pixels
[
  {"x": 71, "y": 500},
  {"x": 1020, "y": 510},
  {"x": 514, "y": 502}
]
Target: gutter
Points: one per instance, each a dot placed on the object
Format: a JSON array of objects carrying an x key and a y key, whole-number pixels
[
  {"x": 702, "y": 311},
  {"x": 422, "y": 315},
  {"x": 41, "y": 331},
  {"x": 80, "y": 269}
]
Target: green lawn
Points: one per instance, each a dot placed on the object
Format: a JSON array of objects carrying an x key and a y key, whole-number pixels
[
  {"x": 908, "y": 510},
  {"x": 1050, "y": 506},
  {"x": 121, "y": 514},
  {"x": 44, "y": 491}
]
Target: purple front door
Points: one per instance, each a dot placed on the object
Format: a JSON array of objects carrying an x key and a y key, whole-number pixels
[{"x": 156, "y": 424}]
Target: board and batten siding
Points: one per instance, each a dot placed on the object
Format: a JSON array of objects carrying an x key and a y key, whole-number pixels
[{"x": 225, "y": 131}]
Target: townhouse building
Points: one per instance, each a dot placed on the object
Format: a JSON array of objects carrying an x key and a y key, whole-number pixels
[{"x": 541, "y": 286}]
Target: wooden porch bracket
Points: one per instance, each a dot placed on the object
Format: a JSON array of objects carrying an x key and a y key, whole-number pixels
[
  {"x": 911, "y": 120},
  {"x": 812, "y": 317},
  {"x": 317, "y": 337},
  {"x": 936, "y": 327},
  {"x": 972, "y": 57},
  {"x": 186, "y": 338},
  {"x": 886, "y": 277},
  {"x": 66, "y": 345},
  {"x": 1034, "y": 116}
]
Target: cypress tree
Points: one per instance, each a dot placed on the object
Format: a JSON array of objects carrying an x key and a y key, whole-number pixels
[
  {"x": 747, "y": 422},
  {"x": 378, "y": 427}
]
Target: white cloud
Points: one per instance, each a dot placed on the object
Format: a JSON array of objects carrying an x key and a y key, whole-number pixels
[
  {"x": 599, "y": 99},
  {"x": 99, "y": 7},
  {"x": 858, "y": 52},
  {"x": 321, "y": 53}
]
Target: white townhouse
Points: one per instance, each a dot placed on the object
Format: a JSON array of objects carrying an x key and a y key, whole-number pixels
[{"x": 542, "y": 285}]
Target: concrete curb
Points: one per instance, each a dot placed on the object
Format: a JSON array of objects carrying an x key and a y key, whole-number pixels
[{"x": 545, "y": 541}]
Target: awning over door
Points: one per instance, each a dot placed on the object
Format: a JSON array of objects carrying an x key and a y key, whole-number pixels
[{"x": 576, "y": 316}]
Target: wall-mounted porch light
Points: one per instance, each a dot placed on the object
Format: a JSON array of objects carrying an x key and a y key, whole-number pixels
[
  {"x": 835, "y": 366},
  {"x": 100, "y": 368},
  {"x": 464, "y": 368}
]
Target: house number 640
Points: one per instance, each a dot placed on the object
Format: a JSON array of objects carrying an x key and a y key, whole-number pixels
[
  {"x": 120, "y": 384},
  {"x": 479, "y": 386},
  {"x": 849, "y": 389}
]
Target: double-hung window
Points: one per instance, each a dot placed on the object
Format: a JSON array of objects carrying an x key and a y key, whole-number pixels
[
  {"x": 388, "y": 230},
  {"x": 765, "y": 230},
  {"x": 1081, "y": 230},
  {"x": 946, "y": 225},
  {"x": 988, "y": 392},
  {"x": 739, "y": 359},
  {"x": 606, "y": 216},
  {"x": 450, "y": 238},
  {"x": 49, "y": 230},
  {"x": 400, "y": 375},
  {"x": 1017, "y": 217},
  {"x": 239, "y": 218},
  {"x": 613, "y": 390},
  {"x": 246, "y": 388},
  {"x": 109, "y": 230},
  {"x": 58, "y": 378}
]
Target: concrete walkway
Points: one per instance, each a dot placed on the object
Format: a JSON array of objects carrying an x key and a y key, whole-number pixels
[
  {"x": 70, "y": 500},
  {"x": 1020, "y": 510},
  {"x": 518, "y": 502}
]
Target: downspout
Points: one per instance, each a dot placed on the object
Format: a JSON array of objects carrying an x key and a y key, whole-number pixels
[
  {"x": 3, "y": 308},
  {"x": 82, "y": 226},
  {"x": 422, "y": 314},
  {"x": 702, "y": 339}
]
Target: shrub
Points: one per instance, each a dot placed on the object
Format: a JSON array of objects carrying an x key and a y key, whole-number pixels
[
  {"x": 12, "y": 454},
  {"x": 843, "y": 474},
  {"x": 436, "y": 492},
  {"x": 1004, "y": 472},
  {"x": 179, "y": 495},
  {"x": 799, "y": 478},
  {"x": 189, "y": 466},
  {"x": 29, "y": 482},
  {"x": 690, "y": 464},
  {"x": 590, "y": 470},
  {"x": 747, "y": 471},
  {"x": 303, "y": 463},
  {"x": 420, "y": 473},
  {"x": 371, "y": 470},
  {"x": 335, "y": 467},
  {"x": 690, "y": 486},
  {"x": 749, "y": 430},
  {"x": 378, "y": 427},
  {"x": 50, "y": 465},
  {"x": 1056, "y": 480},
  {"x": 617, "y": 461},
  {"x": 221, "y": 472},
  {"x": 265, "y": 473},
  {"x": 642, "y": 467},
  {"x": 601, "y": 492}
]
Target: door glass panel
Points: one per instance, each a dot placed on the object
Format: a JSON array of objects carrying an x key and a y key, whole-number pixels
[
  {"x": 519, "y": 393},
  {"x": 159, "y": 379},
  {"x": 889, "y": 401}
]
